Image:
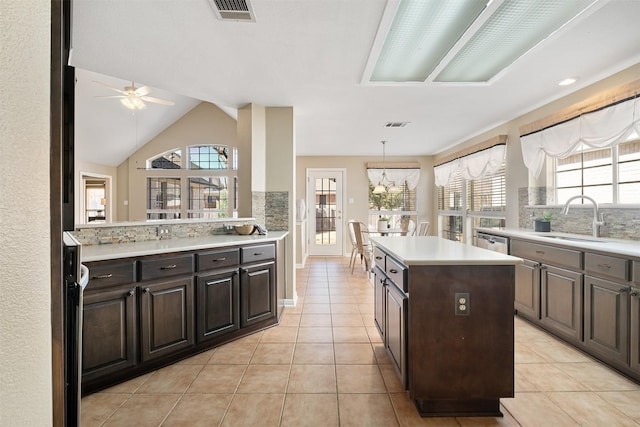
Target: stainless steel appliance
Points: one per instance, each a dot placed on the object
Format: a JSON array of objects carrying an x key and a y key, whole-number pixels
[
  {"x": 493, "y": 243},
  {"x": 76, "y": 277}
]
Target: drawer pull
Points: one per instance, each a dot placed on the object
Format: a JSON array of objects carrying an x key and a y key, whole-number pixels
[
  {"x": 393, "y": 271},
  {"x": 257, "y": 253},
  {"x": 604, "y": 266},
  {"x": 540, "y": 252},
  {"x": 378, "y": 257},
  {"x": 634, "y": 294},
  {"x": 131, "y": 293},
  {"x": 219, "y": 259},
  {"x": 624, "y": 290},
  {"x": 145, "y": 290},
  {"x": 168, "y": 267},
  {"x": 102, "y": 276}
]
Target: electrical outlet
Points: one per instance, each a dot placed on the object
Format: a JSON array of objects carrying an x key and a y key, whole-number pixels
[
  {"x": 164, "y": 231},
  {"x": 462, "y": 304}
]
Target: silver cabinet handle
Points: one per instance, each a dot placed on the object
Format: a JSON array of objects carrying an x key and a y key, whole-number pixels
[
  {"x": 131, "y": 293},
  {"x": 393, "y": 271},
  {"x": 168, "y": 267},
  {"x": 219, "y": 259},
  {"x": 540, "y": 252},
  {"x": 145, "y": 290},
  {"x": 102, "y": 276},
  {"x": 604, "y": 266}
]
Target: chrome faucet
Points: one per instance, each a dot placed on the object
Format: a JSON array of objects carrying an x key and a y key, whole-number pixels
[{"x": 598, "y": 220}]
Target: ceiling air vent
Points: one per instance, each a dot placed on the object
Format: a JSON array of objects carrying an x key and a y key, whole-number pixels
[
  {"x": 396, "y": 124},
  {"x": 233, "y": 10}
]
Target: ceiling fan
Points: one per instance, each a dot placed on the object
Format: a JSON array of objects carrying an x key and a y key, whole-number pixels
[{"x": 133, "y": 97}]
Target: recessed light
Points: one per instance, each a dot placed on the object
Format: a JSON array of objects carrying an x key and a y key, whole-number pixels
[{"x": 567, "y": 81}]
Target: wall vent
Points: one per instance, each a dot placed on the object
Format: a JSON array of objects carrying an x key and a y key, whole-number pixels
[
  {"x": 233, "y": 10},
  {"x": 396, "y": 124}
]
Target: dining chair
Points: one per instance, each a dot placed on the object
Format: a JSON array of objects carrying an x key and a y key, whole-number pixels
[
  {"x": 363, "y": 245},
  {"x": 354, "y": 242},
  {"x": 423, "y": 228}
]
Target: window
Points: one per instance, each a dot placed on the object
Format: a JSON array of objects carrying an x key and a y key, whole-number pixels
[
  {"x": 392, "y": 206},
  {"x": 451, "y": 207},
  {"x": 609, "y": 175},
  {"x": 163, "y": 198},
  {"x": 208, "y": 197},
  {"x": 487, "y": 200},
  {"x": 172, "y": 159},
  {"x": 209, "y": 157}
]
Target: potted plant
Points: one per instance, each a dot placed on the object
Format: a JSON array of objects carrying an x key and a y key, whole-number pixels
[
  {"x": 383, "y": 223},
  {"x": 543, "y": 223}
]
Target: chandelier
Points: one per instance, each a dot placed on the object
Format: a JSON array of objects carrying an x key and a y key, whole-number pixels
[{"x": 385, "y": 185}]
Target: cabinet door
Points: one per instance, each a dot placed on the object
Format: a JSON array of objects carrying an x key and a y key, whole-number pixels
[
  {"x": 606, "y": 318},
  {"x": 561, "y": 302},
  {"x": 257, "y": 294},
  {"x": 166, "y": 317},
  {"x": 527, "y": 296},
  {"x": 634, "y": 330},
  {"x": 379, "y": 297},
  {"x": 396, "y": 321},
  {"x": 108, "y": 332},
  {"x": 218, "y": 304}
]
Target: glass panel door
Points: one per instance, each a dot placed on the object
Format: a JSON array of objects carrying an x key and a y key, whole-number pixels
[{"x": 325, "y": 220}]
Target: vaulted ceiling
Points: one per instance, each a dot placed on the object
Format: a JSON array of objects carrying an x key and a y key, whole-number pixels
[{"x": 312, "y": 55}]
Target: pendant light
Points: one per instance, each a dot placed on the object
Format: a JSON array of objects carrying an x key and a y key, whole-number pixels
[{"x": 381, "y": 188}]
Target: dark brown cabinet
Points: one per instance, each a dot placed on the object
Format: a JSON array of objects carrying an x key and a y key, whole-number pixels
[
  {"x": 606, "y": 329},
  {"x": 379, "y": 297},
  {"x": 109, "y": 331},
  {"x": 396, "y": 333},
  {"x": 257, "y": 293},
  {"x": 561, "y": 302},
  {"x": 634, "y": 330},
  {"x": 166, "y": 317},
  {"x": 218, "y": 304},
  {"x": 527, "y": 296}
]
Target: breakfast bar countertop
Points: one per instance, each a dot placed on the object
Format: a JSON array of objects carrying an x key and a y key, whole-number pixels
[
  {"x": 155, "y": 247},
  {"x": 430, "y": 250}
]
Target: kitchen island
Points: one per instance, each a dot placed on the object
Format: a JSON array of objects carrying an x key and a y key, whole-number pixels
[{"x": 445, "y": 313}]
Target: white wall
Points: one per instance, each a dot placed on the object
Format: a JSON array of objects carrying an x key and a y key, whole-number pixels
[{"x": 25, "y": 278}]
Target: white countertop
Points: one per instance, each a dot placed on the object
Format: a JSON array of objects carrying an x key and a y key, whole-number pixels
[
  {"x": 154, "y": 247},
  {"x": 429, "y": 250},
  {"x": 582, "y": 242}
]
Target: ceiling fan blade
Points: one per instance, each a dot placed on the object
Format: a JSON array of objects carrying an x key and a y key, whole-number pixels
[
  {"x": 109, "y": 87},
  {"x": 142, "y": 91},
  {"x": 157, "y": 100},
  {"x": 111, "y": 96}
]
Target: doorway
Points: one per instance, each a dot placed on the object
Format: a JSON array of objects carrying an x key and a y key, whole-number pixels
[
  {"x": 325, "y": 194},
  {"x": 95, "y": 196}
]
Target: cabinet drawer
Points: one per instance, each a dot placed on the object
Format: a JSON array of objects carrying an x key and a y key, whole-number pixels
[
  {"x": 397, "y": 273},
  {"x": 607, "y": 266},
  {"x": 216, "y": 259},
  {"x": 636, "y": 272},
  {"x": 104, "y": 274},
  {"x": 159, "y": 267},
  {"x": 378, "y": 258},
  {"x": 547, "y": 254},
  {"x": 258, "y": 253}
]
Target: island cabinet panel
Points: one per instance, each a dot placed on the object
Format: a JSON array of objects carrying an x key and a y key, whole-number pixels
[
  {"x": 166, "y": 317},
  {"x": 461, "y": 360},
  {"x": 396, "y": 320},
  {"x": 257, "y": 293},
  {"x": 218, "y": 304},
  {"x": 634, "y": 329},
  {"x": 527, "y": 297},
  {"x": 109, "y": 331},
  {"x": 561, "y": 302},
  {"x": 379, "y": 301},
  {"x": 606, "y": 331}
]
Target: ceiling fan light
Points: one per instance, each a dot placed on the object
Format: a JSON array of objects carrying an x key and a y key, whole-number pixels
[
  {"x": 379, "y": 189},
  {"x": 132, "y": 102}
]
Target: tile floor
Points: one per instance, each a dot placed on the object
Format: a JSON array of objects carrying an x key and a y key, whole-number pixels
[{"x": 324, "y": 365}]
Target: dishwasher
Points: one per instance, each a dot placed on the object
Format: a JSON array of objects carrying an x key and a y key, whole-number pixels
[{"x": 493, "y": 243}]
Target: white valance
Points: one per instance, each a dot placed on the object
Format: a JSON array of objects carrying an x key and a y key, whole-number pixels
[
  {"x": 473, "y": 166},
  {"x": 397, "y": 176},
  {"x": 602, "y": 128}
]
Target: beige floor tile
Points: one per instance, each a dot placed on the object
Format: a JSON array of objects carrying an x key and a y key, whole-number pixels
[
  {"x": 408, "y": 415},
  {"x": 312, "y": 379},
  {"x": 354, "y": 354},
  {"x": 298, "y": 307},
  {"x": 350, "y": 334},
  {"x": 374, "y": 335},
  {"x": 316, "y": 309},
  {"x": 315, "y": 320},
  {"x": 254, "y": 338},
  {"x": 198, "y": 359},
  {"x": 368, "y": 319},
  {"x": 626, "y": 402},
  {"x": 536, "y": 409},
  {"x": 359, "y": 379},
  {"x": 264, "y": 379},
  {"x": 391, "y": 379},
  {"x": 129, "y": 386},
  {"x": 311, "y": 291},
  {"x": 344, "y": 320},
  {"x": 522, "y": 382},
  {"x": 217, "y": 379},
  {"x": 172, "y": 379},
  {"x": 198, "y": 410},
  {"x": 381, "y": 354},
  {"x": 598, "y": 377},
  {"x": 589, "y": 409},
  {"x": 547, "y": 377},
  {"x": 280, "y": 334},
  {"x": 235, "y": 353},
  {"x": 524, "y": 354},
  {"x": 530, "y": 334},
  {"x": 317, "y": 335},
  {"x": 310, "y": 410},
  {"x": 314, "y": 354},
  {"x": 273, "y": 354},
  {"x": 344, "y": 299},
  {"x": 366, "y": 308},
  {"x": 340, "y": 291},
  {"x": 289, "y": 319},
  {"x": 97, "y": 407},
  {"x": 505, "y": 421},
  {"x": 143, "y": 410},
  {"x": 366, "y": 410},
  {"x": 250, "y": 410},
  {"x": 343, "y": 308},
  {"x": 317, "y": 299},
  {"x": 556, "y": 351}
]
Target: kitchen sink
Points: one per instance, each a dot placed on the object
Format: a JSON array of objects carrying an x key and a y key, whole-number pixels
[{"x": 577, "y": 239}]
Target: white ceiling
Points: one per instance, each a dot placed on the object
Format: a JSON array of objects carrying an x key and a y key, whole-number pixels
[{"x": 311, "y": 55}]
